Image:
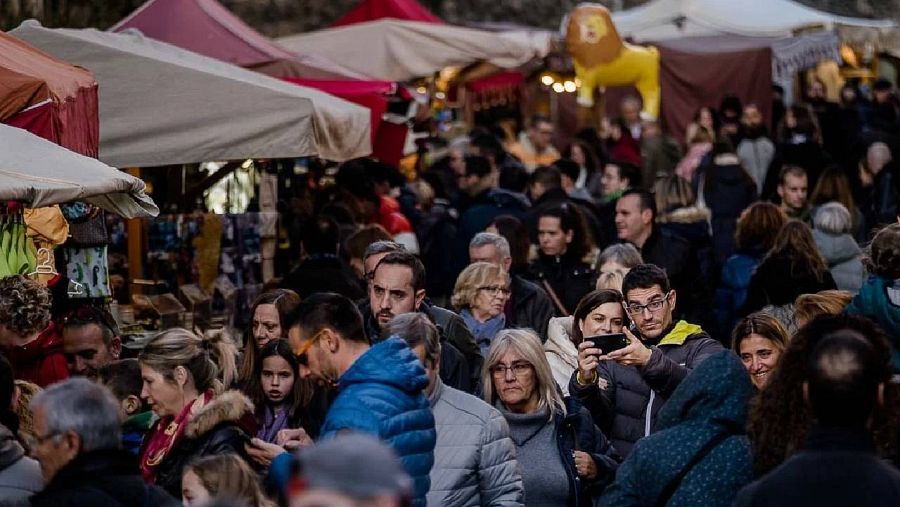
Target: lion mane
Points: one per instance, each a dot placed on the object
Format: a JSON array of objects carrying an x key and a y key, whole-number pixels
[{"x": 591, "y": 36}]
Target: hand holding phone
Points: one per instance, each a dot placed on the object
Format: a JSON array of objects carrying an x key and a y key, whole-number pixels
[{"x": 608, "y": 342}]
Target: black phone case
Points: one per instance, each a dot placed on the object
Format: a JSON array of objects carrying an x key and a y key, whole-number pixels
[{"x": 609, "y": 342}]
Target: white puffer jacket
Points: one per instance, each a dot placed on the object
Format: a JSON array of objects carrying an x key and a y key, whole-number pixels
[{"x": 561, "y": 352}]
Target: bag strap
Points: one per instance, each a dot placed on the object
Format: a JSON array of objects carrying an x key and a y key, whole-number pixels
[
  {"x": 552, "y": 293},
  {"x": 673, "y": 485}
]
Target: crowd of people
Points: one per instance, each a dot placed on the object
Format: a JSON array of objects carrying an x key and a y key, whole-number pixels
[{"x": 625, "y": 321}]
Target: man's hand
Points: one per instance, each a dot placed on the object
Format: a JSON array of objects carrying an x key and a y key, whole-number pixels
[
  {"x": 584, "y": 465},
  {"x": 262, "y": 452},
  {"x": 635, "y": 354},
  {"x": 293, "y": 439}
]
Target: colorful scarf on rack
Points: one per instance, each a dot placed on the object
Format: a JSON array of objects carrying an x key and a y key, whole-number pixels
[{"x": 165, "y": 434}]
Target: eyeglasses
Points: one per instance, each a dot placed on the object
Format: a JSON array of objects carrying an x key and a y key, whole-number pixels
[
  {"x": 300, "y": 353},
  {"x": 496, "y": 289},
  {"x": 652, "y": 306},
  {"x": 518, "y": 369}
]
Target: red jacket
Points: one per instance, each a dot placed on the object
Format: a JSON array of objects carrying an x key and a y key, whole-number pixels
[{"x": 41, "y": 361}]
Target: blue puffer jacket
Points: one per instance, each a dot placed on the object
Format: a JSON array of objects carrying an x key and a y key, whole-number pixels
[
  {"x": 710, "y": 403},
  {"x": 382, "y": 394}
]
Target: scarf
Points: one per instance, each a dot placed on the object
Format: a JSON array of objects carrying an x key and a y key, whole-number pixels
[
  {"x": 272, "y": 423},
  {"x": 484, "y": 332},
  {"x": 163, "y": 437}
]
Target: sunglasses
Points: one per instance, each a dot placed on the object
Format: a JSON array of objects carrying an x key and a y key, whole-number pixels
[{"x": 300, "y": 352}]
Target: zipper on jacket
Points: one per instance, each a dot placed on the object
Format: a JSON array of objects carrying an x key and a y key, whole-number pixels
[{"x": 649, "y": 410}]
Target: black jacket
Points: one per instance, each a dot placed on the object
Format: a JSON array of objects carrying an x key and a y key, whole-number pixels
[
  {"x": 837, "y": 467},
  {"x": 530, "y": 306},
  {"x": 570, "y": 278},
  {"x": 104, "y": 478},
  {"x": 626, "y": 409},
  {"x": 556, "y": 197},
  {"x": 775, "y": 283},
  {"x": 323, "y": 273},
  {"x": 680, "y": 261},
  {"x": 221, "y": 427},
  {"x": 727, "y": 191}
]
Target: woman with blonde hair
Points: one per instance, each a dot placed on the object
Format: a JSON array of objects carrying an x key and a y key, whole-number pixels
[
  {"x": 480, "y": 295},
  {"x": 759, "y": 339},
  {"x": 224, "y": 477},
  {"x": 827, "y": 302},
  {"x": 183, "y": 385},
  {"x": 564, "y": 458}
]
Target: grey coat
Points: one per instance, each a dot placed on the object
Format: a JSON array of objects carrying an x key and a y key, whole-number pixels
[
  {"x": 20, "y": 476},
  {"x": 474, "y": 459},
  {"x": 844, "y": 259}
]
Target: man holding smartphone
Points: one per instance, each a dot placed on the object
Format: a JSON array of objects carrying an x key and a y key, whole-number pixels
[{"x": 625, "y": 388}]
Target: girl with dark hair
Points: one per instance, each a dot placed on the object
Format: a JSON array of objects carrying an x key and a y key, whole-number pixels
[
  {"x": 277, "y": 394},
  {"x": 792, "y": 267},
  {"x": 599, "y": 312}
]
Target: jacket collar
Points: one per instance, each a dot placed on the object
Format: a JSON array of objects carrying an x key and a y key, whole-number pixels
[
  {"x": 230, "y": 406},
  {"x": 97, "y": 464},
  {"x": 680, "y": 333},
  {"x": 824, "y": 438}
]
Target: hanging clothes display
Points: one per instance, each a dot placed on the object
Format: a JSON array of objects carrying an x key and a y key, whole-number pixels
[
  {"x": 47, "y": 228},
  {"x": 17, "y": 253},
  {"x": 89, "y": 267}
]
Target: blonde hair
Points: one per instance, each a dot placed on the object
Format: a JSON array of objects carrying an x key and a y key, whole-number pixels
[
  {"x": 27, "y": 391},
  {"x": 229, "y": 477},
  {"x": 527, "y": 345},
  {"x": 209, "y": 360},
  {"x": 610, "y": 280},
  {"x": 474, "y": 276},
  {"x": 671, "y": 193},
  {"x": 826, "y": 302}
]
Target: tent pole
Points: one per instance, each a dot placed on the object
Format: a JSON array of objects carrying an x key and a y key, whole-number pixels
[{"x": 135, "y": 229}]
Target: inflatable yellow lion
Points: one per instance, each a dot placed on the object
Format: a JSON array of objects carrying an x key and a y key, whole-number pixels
[{"x": 602, "y": 59}]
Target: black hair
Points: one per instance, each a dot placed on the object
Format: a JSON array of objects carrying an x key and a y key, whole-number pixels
[
  {"x": 548, "y": 176},
  {"x": 122, "y": 377},
  {"x": 320, "y": 235},
  {"x": 568, "y": 168},
  {"x": 570, "y": 219},
  {"x": 409, "y": 260},
  {"x": 628, "y": 171},
  {"x": 588, "y": 303},
  {"x": 328, "y": 310},
  {"x": 513, "y": 178},
  {"x": 8, "y": 417},
  {"x": 842, "y": 379},
  {"x": 476, "y": 165},
  {"x": 90, "y": 314},
  {"x": 645, "y": 276},
  {"x": 647, "y": 201},
  {"x": 488, "y": 144}
]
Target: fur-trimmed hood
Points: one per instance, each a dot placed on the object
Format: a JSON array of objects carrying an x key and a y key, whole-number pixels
[
  {"x": 687, "y": 215},
  {"x": 230, "y": 406}
]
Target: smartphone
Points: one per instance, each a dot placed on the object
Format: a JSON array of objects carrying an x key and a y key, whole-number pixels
[{"x": 609, "y": 342}]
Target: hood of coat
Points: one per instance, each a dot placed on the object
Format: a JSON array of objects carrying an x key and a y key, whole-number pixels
[
  {"x": 559, "y": 340},
  {"x": 390, "y": 362},
  {"x": 503, "y": 198},
  {"x": 687, "y": 215},
  {"x": 230, "y": 406},
  {"x": 10, "y": 449},
  {"x": 716, "y": 392},
  {"x": 836, "y": 248},
  {"x": 47, "y": 343}
]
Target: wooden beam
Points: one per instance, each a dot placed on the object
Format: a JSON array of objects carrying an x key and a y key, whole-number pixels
[
  {"x": 134, "y": 228},
  {"x": 191, "y": 195}
]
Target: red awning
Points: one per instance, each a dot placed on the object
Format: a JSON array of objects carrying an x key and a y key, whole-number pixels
[{"x": 371, "y": 10}]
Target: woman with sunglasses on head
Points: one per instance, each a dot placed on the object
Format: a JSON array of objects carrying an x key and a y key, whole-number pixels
[
  {"x": 480, "y": 296},
  {"x": 267, "y": 317},
  {"x": 564, "y": 459},
  {"x": 184, "y": 377}
]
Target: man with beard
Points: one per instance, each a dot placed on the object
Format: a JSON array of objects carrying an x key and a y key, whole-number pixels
[
  {"x": 379, "y": 388},
  {"x": 90, "y": 341},
  {"x": 755, "y": 150}
]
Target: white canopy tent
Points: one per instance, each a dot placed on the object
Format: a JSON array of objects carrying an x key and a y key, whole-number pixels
[
  {"x": 162, "y": 105},
  {"x": 40, "y": 173},
  {"x": 395, "y": 50},
  {"x": 669, "y": 19}
]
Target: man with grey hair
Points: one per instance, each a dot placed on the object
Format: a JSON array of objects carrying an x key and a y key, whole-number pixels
[
  {"x": 474, "y": 458},
  {"x": 528, "y": 305},
  {"x": 832, "y": 226},
  {"x": 78, "y": 445}
]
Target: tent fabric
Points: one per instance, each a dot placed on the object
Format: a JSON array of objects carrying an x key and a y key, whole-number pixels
[
  {"x": 393, "y": 50},
  {"x": 667, "y": 19},
  {"x": 208, "y": 28},
  {"x": 40, "y": 173},
  {"x": 372, "y": 10},
  {"x": 162, "y": 105},
  {"x": 57, "y": 100}
]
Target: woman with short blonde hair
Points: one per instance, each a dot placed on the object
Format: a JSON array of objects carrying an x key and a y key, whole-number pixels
[
  {"x": 225, "y": 477},
  {"x": 480, "y": 296}
]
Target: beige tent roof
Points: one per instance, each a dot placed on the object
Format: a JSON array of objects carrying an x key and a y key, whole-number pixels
[
  {"x": 394, "y": 50},
  {"x": 162, "y": 105},
  {"x": 40, "y": 173}
]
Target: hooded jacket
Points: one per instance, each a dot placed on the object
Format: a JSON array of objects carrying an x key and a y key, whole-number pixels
[
  {"x": 20, "y": 476},
  {"x": 710, "y": 403},
  {"x": 844, "y": 259},
  {"x": 102, "y": 478},
  {"x": 727, "y": 191},
  {"x": 474, "y": 458},
  {"x": 382, "y": 394},
  {"x": 41, "y": 361},
  {"x": 222, "y": 426},
  {"x": 756, "y": 156},
  {"x": 732, "y": 288},
  {"x": 562, "y": 355},
  {"x": 627, "y": 408},
  {"x": 873, "y": 302}
]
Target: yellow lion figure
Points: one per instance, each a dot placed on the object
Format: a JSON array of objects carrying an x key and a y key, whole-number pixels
[{"x": 602, "y": 59}]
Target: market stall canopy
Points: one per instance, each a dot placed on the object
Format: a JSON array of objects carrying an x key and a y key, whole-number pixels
[
  {"x": 393, "y": 50},
  {"x": 208, "y": 28},
  {"x": 371, "y": 10},
  {"x": 669, "y": 19},
  {"x": 162, "y": 105},
  {"x": 41, "y": 173},
  {"x": 48, "y": 97}
]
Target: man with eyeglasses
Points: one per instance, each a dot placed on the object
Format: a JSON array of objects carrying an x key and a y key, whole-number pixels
[
  {"x": 380, "y": 388},
  {"x": 624, "y": 389},
  {"x": 90, "y": 341}
]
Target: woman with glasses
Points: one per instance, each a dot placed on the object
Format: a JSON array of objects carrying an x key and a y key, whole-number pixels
[
  {"x": 480, "y": 297},
  {"x": 564, "y": 459}
]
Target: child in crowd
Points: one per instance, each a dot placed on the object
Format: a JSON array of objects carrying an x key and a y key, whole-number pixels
[
  {"x": 123, "y": 378},
  {"x": 225, "y": 477},
  {"x": 276, "y": 391}
]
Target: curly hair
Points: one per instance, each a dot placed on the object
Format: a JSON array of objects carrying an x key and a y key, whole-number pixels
[
  {"x": 779, "y": 416},
  {"x": 884, "y": 259},
  {"x": 25, "y": 305}
]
